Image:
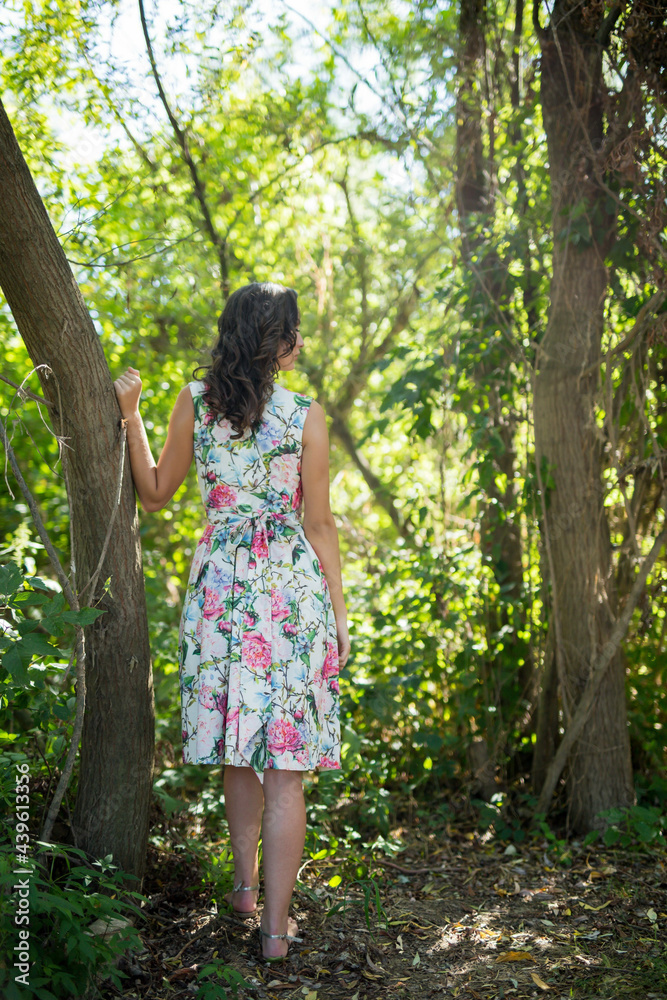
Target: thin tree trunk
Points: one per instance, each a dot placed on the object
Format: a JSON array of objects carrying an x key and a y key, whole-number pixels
[
  {"x": 116, "y": 763},
  {"x": 501, "y": 540},
  {"x": 599, "y": 774}
]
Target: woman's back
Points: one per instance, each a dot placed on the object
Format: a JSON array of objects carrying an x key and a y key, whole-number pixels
[
  {"x": 260, "y": 470},
  {"x": 258, "y": 650}
]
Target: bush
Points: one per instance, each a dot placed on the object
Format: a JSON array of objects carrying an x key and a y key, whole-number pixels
[{"x": 66, "y": 894}]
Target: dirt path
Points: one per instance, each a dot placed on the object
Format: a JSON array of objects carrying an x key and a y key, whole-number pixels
[{"x": 457, "y": 919}]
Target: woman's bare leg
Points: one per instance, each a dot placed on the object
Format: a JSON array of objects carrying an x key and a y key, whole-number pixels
[
  {"x": 283, "y": 838},
  {"x": 244, "y": 802}
]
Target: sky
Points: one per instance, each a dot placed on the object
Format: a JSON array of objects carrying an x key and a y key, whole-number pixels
[{"x": 123, "y": 45}]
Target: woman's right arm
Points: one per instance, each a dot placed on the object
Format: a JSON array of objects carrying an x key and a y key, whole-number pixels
[
  {"x": 156, "y": 484},
  {"x": 318, "y": 522}
]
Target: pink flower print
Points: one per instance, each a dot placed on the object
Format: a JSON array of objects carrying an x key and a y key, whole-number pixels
[
  {"x": 221, "y": 496},
  {"x": 213, "y": 606},
  {"x": 223, "y": 431},
  {"x": 334, "y": 686},
  {"x": 224, "y": 626},
  {"x": 259, "y": 544},
  {"x": 282, "y": 736},
  {"x": 211, "y": 476},
  {"x": 206, "y": 696},
  {"x": 297, "y": 496},
  {"x": 302, "y": 756},
  {"x": 248, "y": 619},
  {"x": 279, "y": 609},
  {"x": 256, "y": 652},
  {"x": 290, "y": 629},
  {"x": 284, "y": 472},
  {"x": 298, "y": 715},
  {"x": 208, "y": 418},
  {"x": 330, "y": 665},
  {"x": 328, "y": 762}
]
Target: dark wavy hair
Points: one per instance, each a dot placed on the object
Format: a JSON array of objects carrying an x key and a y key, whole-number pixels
[{"x": 258, "y": 325}]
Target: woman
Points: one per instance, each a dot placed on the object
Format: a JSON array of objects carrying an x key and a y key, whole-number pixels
[{"x": 263, "y": 629}]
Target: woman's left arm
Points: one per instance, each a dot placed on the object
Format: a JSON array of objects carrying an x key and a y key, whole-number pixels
[{"x": 156, "y": 484}]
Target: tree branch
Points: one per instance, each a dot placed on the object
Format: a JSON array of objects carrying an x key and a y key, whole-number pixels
[
  {"x": 541, "y": 32},
  {"x": 379, "y": 489},
  {"x": 119, "y": 486},
  {"x": 607, "y": 26},
  {"x": 23, "y": 393},
  {"x": 198, "y": 183},
  {"x": 646, "y": 312},
  {"x": 73, "y": 602}
]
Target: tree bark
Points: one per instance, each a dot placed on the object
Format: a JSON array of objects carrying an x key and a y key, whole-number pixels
[
  {"x": 599, "y": 774},
  {"x": 115, "y": 774}
]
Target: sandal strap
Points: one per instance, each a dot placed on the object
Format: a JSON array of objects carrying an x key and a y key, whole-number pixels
[
  {"x": 280, "y": 937},
  {"x": 244, "y": 888}
]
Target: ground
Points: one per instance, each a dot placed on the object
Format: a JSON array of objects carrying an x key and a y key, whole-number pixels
[{"x": 456, "y": 915}]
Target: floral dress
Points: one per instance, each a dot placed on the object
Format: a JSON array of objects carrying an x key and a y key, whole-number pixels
[{"x": 258, "y": 652}]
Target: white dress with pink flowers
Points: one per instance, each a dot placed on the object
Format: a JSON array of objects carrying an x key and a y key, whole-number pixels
[{"x": 258, "y": 653}]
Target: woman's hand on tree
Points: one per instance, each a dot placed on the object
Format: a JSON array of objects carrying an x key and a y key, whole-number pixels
[{"x": 128, "y": 391}]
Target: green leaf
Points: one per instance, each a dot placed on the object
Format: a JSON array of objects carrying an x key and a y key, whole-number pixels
[
  {"x": 16, "y": 664},
  {"x": 86, "y": 616},
  {"x": 11, "y": 579}
]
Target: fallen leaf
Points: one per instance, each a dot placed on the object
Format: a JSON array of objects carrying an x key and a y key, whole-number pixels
[
  {"x": 107, "y": 928},
  {"x": 399, "y": 943},
  {"x": 416, "y": 960},
  {"x": 652, "y": 915},
  {"x": 539, "y": 982},
  {"x": 596, "y": 908},
  {"x": 373, "y": 967},
  {"x": 515, "y": 956}
]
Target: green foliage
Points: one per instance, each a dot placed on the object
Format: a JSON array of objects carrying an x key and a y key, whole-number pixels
[
  {"x": 636, "y": 828},
  {"x": 66, "y": 894},
  {"x": 213, "y": 990},
  {"x": 32, "y": 689}
]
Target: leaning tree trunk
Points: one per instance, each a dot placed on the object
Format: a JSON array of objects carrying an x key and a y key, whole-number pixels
[
  {"x": 576, "y": 532},
  {"x": 116, "y": 762}
]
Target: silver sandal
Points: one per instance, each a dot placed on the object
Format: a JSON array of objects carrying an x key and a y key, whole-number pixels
[
  {"x": 244, "y": 914},
  {"x": 277, "y": 937}
]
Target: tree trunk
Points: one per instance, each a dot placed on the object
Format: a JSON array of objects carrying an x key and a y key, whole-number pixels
[
  {"x": 115, "y": 774},
  {"x": 576, "y": 531},
  {"x": 501, "y": 539}
]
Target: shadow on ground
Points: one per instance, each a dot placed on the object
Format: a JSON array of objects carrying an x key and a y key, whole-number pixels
[{"x": 456, "y": 918}]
